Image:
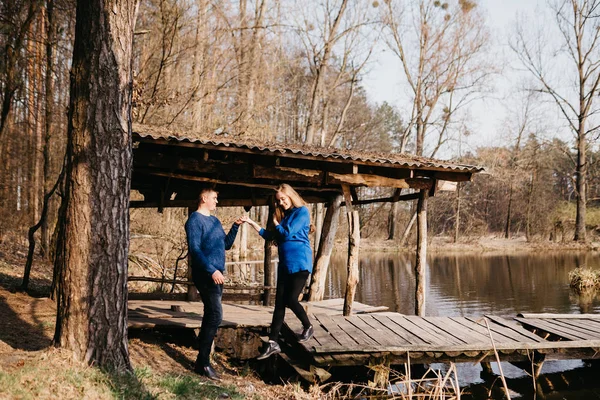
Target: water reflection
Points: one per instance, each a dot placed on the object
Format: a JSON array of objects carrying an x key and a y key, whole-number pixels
[
  {"x": 471, "y": 285},
  {"x": 474, "y": 285}
]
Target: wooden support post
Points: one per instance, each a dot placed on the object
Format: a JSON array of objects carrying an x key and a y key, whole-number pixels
[
  {"x": 421, "y": 253},
  {"x": 269, "y": 273},
  {"x": 326, "y": 244},
  {"x": 353, "y": 252},
  {"x": 192, "y": 292},
  {"x": 487, "y": 370}
]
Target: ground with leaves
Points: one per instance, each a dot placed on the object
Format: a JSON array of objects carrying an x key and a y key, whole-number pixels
[{"x": 30, "y": 367}]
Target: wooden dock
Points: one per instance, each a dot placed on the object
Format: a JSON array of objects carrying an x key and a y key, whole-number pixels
[
  {"x": 373, "y": 335},
  {"x": 395, "y": 338}
]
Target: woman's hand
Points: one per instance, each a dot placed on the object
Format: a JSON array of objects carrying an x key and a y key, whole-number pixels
[
  {"x": 275, "y": 222},
  {"x": 247, "y": 219}
]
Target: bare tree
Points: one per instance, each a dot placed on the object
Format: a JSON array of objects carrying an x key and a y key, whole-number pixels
[
  {"x": 93, "y": 245},
  {"x": 441, "y": 48},
  {"x": 568, "y": 72}
]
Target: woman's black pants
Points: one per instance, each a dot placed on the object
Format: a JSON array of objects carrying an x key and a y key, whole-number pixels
[{"x": 289, "y": 287}]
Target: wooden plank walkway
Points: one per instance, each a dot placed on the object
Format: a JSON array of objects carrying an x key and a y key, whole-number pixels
[
  {"x": 370, "y": 336},
  {"x": 395, "y": 337},
  {"x": 185, "y": 314}
]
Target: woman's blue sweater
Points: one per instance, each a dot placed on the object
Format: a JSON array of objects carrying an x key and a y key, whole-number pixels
[{"x": 291, "y": 235}]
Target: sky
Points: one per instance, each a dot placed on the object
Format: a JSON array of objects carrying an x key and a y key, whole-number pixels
[{"x": 383, "y": 83}]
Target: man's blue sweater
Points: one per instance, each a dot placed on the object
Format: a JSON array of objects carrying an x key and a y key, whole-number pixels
[
  {"x": 291, "y": 235},
  {"x": 207, "y": 243}
]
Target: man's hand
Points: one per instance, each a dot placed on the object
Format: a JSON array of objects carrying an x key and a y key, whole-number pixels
[
  {"x": 240, "y": 220},
  {"x": 218, "y": 278}
]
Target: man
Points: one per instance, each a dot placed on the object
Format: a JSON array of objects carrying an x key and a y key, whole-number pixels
[{"x": 207, "y": 243}]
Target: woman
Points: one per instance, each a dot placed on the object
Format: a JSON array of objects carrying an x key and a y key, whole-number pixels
[{"x": 292, "y": 226}]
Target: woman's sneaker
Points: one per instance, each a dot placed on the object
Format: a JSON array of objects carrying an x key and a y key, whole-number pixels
[
  {"x": 272, "y": 348},
  {"x": 306, "y": 334}
]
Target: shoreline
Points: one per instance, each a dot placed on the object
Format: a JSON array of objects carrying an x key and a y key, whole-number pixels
[{"x": 488, "y": 244}]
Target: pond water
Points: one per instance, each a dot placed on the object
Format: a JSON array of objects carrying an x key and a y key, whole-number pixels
[{"x": 475, "y": 285}]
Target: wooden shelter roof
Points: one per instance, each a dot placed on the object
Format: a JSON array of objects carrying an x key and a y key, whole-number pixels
[{"x": 170, "y": 170}]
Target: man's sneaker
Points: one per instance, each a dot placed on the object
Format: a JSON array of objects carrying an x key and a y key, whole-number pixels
[
  {"x": 272, "y": 348},
  {"x": 306, "y": 334}
]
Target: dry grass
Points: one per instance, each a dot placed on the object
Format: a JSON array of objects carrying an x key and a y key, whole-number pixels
[
  {"x": 432, "y": 385},
  {"x": 584, "y": 278}
]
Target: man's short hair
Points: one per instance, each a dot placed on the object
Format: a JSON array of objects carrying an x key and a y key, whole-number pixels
[{"x": 205, "y": 191}]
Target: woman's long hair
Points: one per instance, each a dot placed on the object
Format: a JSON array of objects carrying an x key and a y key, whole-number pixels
[{"x": 296, "y": 199}]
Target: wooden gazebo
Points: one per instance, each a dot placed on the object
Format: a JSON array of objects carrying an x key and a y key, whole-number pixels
[{"x": 169, "y": 171}]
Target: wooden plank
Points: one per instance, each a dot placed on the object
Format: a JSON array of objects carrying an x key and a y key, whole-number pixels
[
  {"x": 561, "y": 316},
  {"x": 466, "y": 329},
  {"x": 359, "y": 331},
  {"x": 433, "y": 331},
  {"x": 353, "y": 332},
  {"x": 453, "y": 329},
  {"x": 392, "y": 335},
  {"x": 499, "y": 332},
  {"x": 576, "y": 326},
  {"x": 515, "y": 327},
  {"x": 332, "y": 327},
  {"x": 550, "y": 328},
  {"x": 375, "y": 331},
  {"x": 324, "y": 338},
  {"x": 404, "y": 329},
  {"x": 482, "y": 347},
  {"x": 424, "y": 335}
]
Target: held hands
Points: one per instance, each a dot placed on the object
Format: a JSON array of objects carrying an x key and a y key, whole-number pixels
[{"x": 249, "y": 221}]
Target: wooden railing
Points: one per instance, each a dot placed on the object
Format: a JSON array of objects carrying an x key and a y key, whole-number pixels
[{"x": 253, "y": 291}]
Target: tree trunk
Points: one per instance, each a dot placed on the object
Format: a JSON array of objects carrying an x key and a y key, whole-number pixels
[
  {"x": 509, "y": 212},
  {"x": 421, "y": 263},
  {"x": 409, "y": 226},
  {"x": 581, "y": 175},
  {"x": 320, "y": 74},
  {"x": 92, "y": 290},
  {"x": 529, "y": 207},
  {"x": 330, "y": 226},
  {"x": 50, "y": 27}
]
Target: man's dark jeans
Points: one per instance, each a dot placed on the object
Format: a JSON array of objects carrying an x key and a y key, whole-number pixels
[{"x": 211, "y": 295}]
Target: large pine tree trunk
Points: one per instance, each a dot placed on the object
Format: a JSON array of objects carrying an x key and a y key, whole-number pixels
[{"x": 92, "y": 259}]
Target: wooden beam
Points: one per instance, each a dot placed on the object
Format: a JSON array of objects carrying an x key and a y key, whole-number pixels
[
  {"x": 223, "y": 202},
  {"x": 288, "y": 174},
  {"x": 269, "y": 273},
  {"x": 453, "y": 176},
  {"x": 353, "y": 254},
  {"x": 421, "y": 262},
  {"x": 221, "y": 181},
  {"x": 420, "y": 183},
  {"x": 347, "y": 197},
  {"x": 404, "y": 197},
  {"x": 366, "y": 180},
  {"x": 446, "y": 186}
]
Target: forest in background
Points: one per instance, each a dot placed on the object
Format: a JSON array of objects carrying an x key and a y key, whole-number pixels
[{"x": 280, "y": 71}]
